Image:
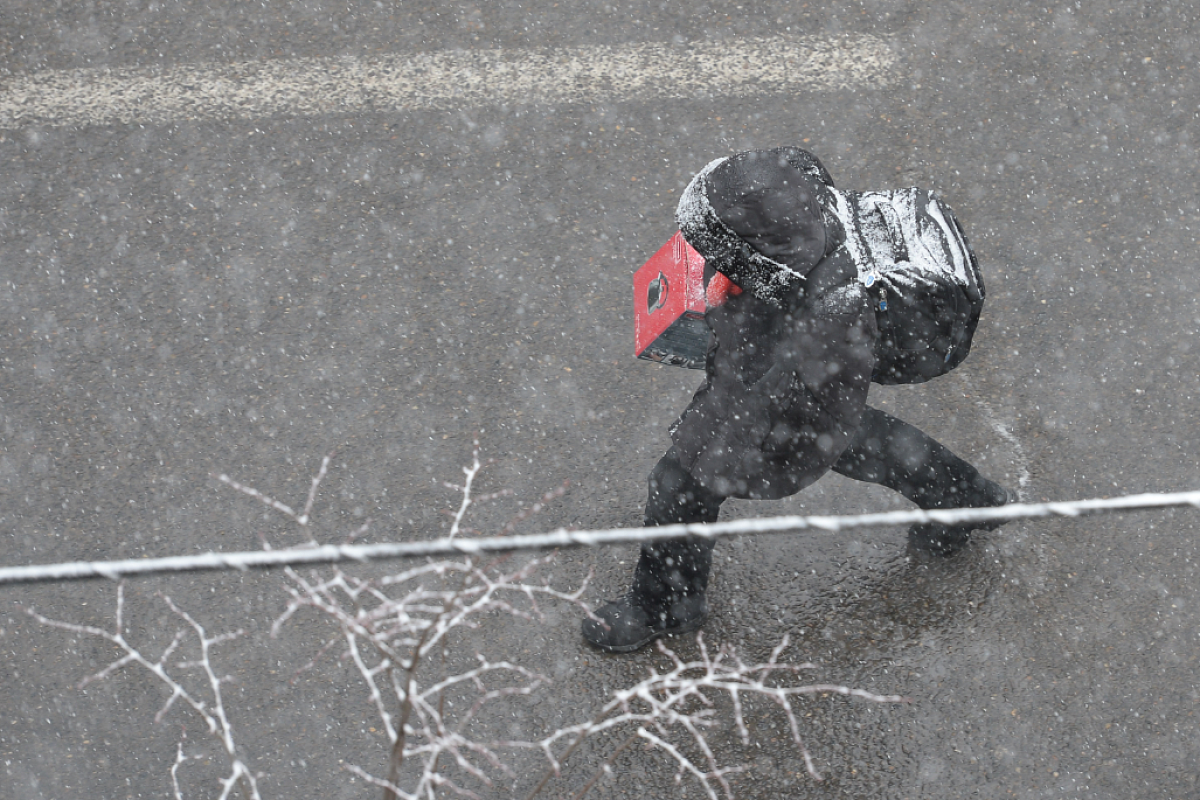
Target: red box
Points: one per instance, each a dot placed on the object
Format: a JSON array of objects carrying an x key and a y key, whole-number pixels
[{"x": 669, "y": 301}]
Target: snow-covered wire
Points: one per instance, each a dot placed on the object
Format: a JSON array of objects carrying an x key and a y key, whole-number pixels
[{"x": 329, "y": 554}]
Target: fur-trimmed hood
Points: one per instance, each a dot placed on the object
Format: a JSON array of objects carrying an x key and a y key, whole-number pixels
[{"x": 762, "y": 218}]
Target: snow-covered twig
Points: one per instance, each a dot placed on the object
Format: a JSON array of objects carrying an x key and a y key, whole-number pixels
[
  {"x": 391, "y": 626},
  {"x": 303, "y": 517},
  {"x": 563, "y": 538},
  {"x": 465, "y": 490},
  {"x": 179, "y": 759},
  {"x": 211, "y": 712},
  {"x": 432, "y": 710},
  {"x": 679, "y": 698}
]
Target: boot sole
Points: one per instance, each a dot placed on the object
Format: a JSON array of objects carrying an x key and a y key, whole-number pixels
[{"x": 686, "y": 627}]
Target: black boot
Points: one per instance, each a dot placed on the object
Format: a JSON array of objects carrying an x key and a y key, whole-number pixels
[
  {"x": 671, "y": 578},
  {"x": 892, "y": 453},
  {"x": 934, "y": 538},
  {"x": 626, "y": 626}
]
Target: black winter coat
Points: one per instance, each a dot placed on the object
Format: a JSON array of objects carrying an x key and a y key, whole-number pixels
[{"x": 790, "y": 358}]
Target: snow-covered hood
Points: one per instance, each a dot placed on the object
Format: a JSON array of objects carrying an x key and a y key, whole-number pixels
[{"x": 806, "y": 238}]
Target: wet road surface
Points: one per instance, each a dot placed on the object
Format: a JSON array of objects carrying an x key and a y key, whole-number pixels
[{"x": 245, "y": 295}]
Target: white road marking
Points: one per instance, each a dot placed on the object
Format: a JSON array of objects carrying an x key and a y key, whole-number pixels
[
  {"x": 444, "y": 80},
  {"x": 1022, "y": 462}
]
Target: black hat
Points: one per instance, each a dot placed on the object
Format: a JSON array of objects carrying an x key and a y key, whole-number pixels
[{"x": 757, "y": 218}]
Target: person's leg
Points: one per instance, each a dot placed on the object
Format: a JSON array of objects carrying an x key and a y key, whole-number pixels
[
  {"x": 677, "y": 567},
  {"x": 671, "y": 577},
  {"x": 892, "y": 453}
]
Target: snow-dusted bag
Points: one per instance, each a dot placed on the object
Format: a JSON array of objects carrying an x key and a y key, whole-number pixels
[{"x": 922, "y": 276}]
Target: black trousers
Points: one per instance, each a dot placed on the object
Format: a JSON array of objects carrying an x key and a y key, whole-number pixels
[{"x": 885, "y": 450}]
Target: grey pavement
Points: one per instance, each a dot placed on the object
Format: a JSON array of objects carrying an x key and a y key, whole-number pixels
[{"x": 245, "y": 296}]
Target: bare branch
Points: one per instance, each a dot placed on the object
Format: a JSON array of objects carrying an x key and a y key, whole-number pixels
[
  {"x": 666, "y": 700},
  {"x": 525, "y": 514},
  {"x": 470, "y": 473},
  {"x": 433, "y": 714},
  {"x": 312, "y": 491},
  {"x": 179, "y": 759},
  {"x": 215, "y": 718},
  {"x": 259, "y": 496}
]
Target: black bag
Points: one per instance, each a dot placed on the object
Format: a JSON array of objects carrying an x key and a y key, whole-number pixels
[{"x": 921, "y": 275}]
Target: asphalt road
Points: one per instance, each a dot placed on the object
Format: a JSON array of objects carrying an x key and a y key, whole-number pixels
[{"x": 244, "y": 295}]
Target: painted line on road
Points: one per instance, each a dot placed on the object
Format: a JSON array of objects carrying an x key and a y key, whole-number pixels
[
  {"x": 445, "y": 80},
  {"x": 1005, "y": 433}
]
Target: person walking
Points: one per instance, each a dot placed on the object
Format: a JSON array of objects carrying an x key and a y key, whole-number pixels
[{"x": 788, "y": 366}]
